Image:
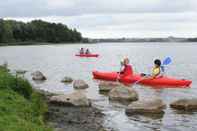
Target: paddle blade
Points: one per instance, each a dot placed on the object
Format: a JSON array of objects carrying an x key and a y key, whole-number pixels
[{"x": 167, "y": 61}]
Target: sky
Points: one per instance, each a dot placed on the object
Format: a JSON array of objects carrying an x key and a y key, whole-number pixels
[{"x": 110, "y": 18}]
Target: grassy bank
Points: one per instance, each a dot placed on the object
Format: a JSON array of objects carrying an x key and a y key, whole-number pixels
[{"x": 21, "y": 108}]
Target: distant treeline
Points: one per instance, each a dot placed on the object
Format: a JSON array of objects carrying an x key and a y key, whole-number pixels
[
  {"x": 192, "y": 39},
  {"x": 167, "y": 39},
  {"x": 12, "y": 32}
]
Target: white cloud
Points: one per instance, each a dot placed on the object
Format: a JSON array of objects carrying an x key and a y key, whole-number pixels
[
  {"x": 111, "y": 18},
  {"x": 26, "y": 8}
]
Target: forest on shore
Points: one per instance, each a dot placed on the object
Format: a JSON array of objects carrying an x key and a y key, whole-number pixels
[{"x": 12, "y": 32}]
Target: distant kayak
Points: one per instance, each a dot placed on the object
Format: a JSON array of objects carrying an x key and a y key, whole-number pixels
[
  {"x": 160, "y": 82},
  {"x": 87, "y": 55}
]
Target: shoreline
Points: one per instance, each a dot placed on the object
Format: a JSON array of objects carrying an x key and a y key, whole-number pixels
[
  {"x": 44, "y": 43},
  {"x": 61, "y": 117},
  {"x": 88, "y": 43},
  {"x": 39, "y": 113}
]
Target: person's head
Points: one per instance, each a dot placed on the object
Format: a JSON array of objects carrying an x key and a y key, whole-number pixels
[
  {"x": 126, "y": 61},
  {"x": 157, "y": 63}
]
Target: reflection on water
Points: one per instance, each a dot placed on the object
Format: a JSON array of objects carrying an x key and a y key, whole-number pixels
[{"x": 59, "y": 61}]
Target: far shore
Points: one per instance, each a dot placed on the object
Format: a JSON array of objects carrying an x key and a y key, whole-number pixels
[
  {"x": 97, "y": 41},
  {"x": 93, "y": 41},
  {"x": 39, "y": 43}
]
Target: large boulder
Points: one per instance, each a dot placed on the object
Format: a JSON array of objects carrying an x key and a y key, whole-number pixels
[
  {"x": 80, "y": 84},
  {"x": 151, "y": 106},
  {"x": 123, "y": 94},
  {"x": 77, "y": 99},
  {"x": 67, "y": 80},
  {"x": 38, "y": 76},
  {"x": 184, "y": 104},
  {"x": 107, "y": 86}
]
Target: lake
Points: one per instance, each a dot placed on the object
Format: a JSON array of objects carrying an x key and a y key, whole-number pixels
[{"x": 57, "y": 61}]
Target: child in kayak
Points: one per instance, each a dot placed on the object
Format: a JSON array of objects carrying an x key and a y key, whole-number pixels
[
  {"x": 156, "y": 71},
  {"x": 127, "y": 70},
  {"x": 81, "y": 51}
]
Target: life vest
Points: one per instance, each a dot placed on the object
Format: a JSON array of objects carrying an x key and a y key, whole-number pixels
[
  {"x": 127, "y": 71},
  {"x": 156, "y": 71}
]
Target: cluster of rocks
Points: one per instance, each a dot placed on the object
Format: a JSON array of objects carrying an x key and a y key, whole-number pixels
[
  {"x": 77, "y": 84},
  {"x": 150, "y": 106},
  {"x": 86, "y": 114},
  {"x": 116, "y": 92},
  {"x": 72, "y": 111},
  {"x": 75, "y": 99},
  {"x": 124, "y": 94}
]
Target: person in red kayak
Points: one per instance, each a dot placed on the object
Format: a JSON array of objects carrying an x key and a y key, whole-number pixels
[
  {"x": 127, "y": 70},
  {"x": 87, "y": 51},
  {"x": 156, "y": 71},
  {"x": 81, "y": 51}
]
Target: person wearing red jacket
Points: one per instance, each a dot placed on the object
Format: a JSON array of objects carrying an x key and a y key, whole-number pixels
[{"x": 127, "y": 70}]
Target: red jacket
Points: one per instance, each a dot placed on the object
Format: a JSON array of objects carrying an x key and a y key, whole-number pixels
[{"x": 127, "y": 71}]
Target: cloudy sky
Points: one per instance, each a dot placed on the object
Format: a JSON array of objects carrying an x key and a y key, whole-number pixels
[{"x": 111, "y": 18}]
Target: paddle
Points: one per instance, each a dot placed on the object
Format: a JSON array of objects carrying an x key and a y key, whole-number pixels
[{"x": 165, "y": 62}]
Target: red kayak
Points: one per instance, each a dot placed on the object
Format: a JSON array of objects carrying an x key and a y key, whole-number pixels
[
  {"x": 163, "y": 81},
  {"x": 87, "y": 55}
]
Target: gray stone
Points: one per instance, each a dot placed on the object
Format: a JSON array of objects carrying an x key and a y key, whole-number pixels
[
  {"x": 107, "y": 86},
  {"x": 123, "y": 93},
  {"x": 80, "y": 84},
  {"x": 77, "y": 99},
  {"x": 185, "y": 104},
  {"x": 38, "y": 76},
  {"x": 151, "y": 106},
  {"x": 67, "y": 80}
]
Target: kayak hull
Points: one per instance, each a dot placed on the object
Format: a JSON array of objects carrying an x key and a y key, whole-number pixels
[
  {"x": 162, "y": 81},
  {"x": 87, "y": 55}
]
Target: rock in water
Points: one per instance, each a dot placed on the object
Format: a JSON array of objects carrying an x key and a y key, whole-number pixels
[
  {"x": 38, "y": 76},
  {"x": 185, "y": 104},
  {"x": 152, "y": 106},
  {"x": 77, "y": 99},
  {"x": 107, "y": 86},
  {"x": 67, "y": 80},
  {"x": 123, "y": 94},
  {"x": 21, "y": 71},
  {"x": 80, "y": 84}
]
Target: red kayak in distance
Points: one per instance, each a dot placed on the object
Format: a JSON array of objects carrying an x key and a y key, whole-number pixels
[
  {"x": 159, "y": 82},
  {"x": 87, "y": 55}
]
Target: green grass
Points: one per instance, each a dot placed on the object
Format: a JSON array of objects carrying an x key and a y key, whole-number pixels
[{"x": 21, "y": 108}]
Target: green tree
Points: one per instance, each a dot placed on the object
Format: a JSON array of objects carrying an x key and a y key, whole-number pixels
[{"x": 37, "y": 31}]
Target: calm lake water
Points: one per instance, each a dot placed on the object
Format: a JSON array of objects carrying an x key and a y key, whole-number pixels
[{"x": 57, "y": 61}]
